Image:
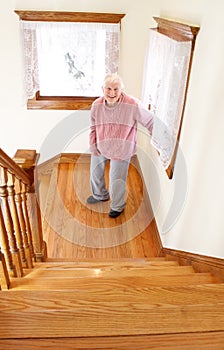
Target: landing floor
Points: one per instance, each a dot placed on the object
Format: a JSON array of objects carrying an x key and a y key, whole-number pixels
[{"x": 75, "y": 229}]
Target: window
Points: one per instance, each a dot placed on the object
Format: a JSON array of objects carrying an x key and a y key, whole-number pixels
[
  {"x": 166, "y": 77},
  {"x": 66, "y": 56}
]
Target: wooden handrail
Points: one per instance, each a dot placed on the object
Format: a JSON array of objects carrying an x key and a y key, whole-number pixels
[{"x": 12, "y": 167}]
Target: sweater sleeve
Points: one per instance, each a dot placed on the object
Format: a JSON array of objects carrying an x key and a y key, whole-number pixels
[
  {"x": 145, "y": 118},
  {"x": 92, "y": 135}
]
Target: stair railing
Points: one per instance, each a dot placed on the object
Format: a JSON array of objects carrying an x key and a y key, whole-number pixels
[{"x": 21, "y": 237}]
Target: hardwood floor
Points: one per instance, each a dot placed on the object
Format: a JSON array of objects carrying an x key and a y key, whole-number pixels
[
  {"x": 190, "y": 341},
  {"x": 104, "y": 286},
  {"x": 84, "y": 231}
]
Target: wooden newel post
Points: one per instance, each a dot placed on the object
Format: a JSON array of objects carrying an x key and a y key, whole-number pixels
[{"x": 27, "y": 160}]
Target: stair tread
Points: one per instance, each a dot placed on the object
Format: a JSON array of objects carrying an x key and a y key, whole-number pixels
[
  {"x": 111, "y": 264},
  {"x": 117, "y": 265},
  {"x": 104, "y": 260},
  {"x": 87, "y": 283},
  {"x": 112, "y": 312},
  {"x": 185, "y": 341},
  {"x": 108, "y": 270},
  {"x": 184, "y": 295}
]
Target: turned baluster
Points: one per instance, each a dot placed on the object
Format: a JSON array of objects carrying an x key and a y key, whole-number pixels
[
  {"x": 5, "y": 244},
  {"x": 9, "y": 223},
  {"x": 18, "y": 199},
  {"x": 40, "y": 248},
  {"x": 4, "y": 275},
  {"x": 15, "y": 217},
  {"x": 26, "y": 217}
]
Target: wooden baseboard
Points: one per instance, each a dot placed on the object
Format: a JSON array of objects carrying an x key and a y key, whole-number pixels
[
  {"x": 200, "y": 263},
  {"x": 47, "y": 165}
]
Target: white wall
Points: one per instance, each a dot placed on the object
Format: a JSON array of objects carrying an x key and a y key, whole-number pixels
[{"x": 194, "y": 223}]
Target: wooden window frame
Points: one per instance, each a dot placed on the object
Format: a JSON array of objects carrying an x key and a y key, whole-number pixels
[
  {"x": 65, "y": 102},
  {"x": 181, "y": 32}
]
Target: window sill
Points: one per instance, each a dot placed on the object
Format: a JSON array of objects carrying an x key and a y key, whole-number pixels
[{"x": 60, "y": 102}]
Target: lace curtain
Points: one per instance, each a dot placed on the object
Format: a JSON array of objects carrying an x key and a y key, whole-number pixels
[
  {"x": 68, "y": 59},
  {"x": 165, "y": 77}
]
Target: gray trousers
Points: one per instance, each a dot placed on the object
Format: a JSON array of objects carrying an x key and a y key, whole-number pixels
[{"x": 117, "y": 180}]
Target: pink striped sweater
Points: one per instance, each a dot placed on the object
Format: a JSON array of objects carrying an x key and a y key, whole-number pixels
[{"x": 113, "y": 130}]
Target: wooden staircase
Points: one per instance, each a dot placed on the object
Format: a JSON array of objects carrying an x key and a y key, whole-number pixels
[
  {"x": 118, "y": 304},
  {"x": 123, "y": 297}
]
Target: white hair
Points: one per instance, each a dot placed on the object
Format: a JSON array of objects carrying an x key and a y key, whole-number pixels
[{"x": 113, "y": 78}]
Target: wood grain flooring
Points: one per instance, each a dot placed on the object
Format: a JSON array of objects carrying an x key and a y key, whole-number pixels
[
  {"x": 103, "y": 286},
  {"x": 86, "y": 231},
  {"x": 187, "y": 341},
  {"x": 117, "y": 304},
  {"x": 112, "y": 312},
  {"x": 111, "y": 275}
]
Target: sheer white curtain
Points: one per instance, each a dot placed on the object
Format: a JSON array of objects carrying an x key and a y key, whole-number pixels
[
  {"x": 165, "y": 77},
  {"x": 68, "y": 59}
]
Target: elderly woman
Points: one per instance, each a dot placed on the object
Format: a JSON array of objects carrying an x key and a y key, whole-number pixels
[{"x": 113, "y": 136}]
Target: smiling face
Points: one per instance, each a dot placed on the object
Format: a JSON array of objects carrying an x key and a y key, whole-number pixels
[{"x": 112, "y": 92}]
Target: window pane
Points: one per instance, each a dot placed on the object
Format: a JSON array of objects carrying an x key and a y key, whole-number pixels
[{"x": 73, "y": 57}]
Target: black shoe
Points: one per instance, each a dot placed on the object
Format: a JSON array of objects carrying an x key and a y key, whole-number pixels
[
  {"x": 114, "y": 214},
  {"x": 92, "y": 200}
]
